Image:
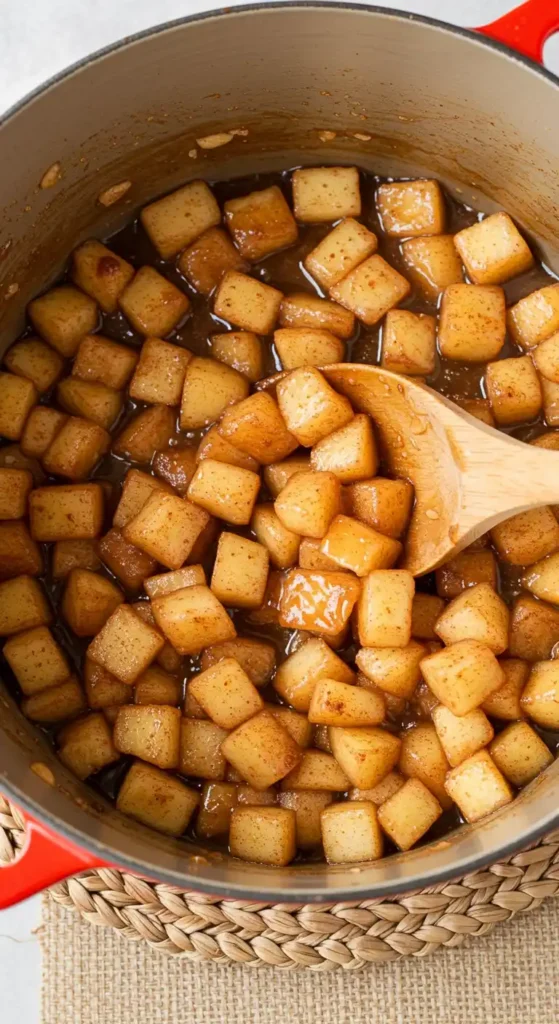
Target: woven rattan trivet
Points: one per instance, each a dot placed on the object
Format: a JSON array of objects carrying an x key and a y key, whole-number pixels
[{"x": 319, "y": 938}]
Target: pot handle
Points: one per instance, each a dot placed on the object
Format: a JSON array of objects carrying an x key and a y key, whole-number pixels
[
  {"x": 526, "y": 28},
  {"x": 45, "y": 859}
]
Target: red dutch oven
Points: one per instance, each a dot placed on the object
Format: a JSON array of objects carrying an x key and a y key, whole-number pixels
[{"x": 476, "y": 109}]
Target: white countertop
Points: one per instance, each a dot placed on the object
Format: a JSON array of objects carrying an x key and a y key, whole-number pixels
[{"x": 36, "y": 41}]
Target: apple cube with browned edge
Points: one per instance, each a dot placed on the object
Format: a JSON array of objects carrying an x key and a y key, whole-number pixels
[
  {"x": 425, "y": 611},
  {"x": 214, "y": 817},
  {"x": 209, "y": 387},
  {"x": 241, "y": 350},
  {"x": 226, "y": 694},
  {"x": 550, "y": 399},
  {"x": 36, "y": 659},
  {"x": 409, "y": 813},
  {"x": 74, "y": 554},
  {"x": 342, "y": 249},
  {"x": 63, "y": 316},
  {"x": 261, "y": 750},
  {"x": 103, "y": 689},
  {"x": 192, "y": 619},
  {"x": 493, "y": 250},
  {"x": 535, "y": 317},
  {"x": 394, "y": 670},
  {"x": 157, "y": 799},
  {"x": 68, "y": 512},
  {"x": 308, "y": 806},
  {"x": 432, "y": 263},
  {"x": 462, "y": 737},
  {"x": 260, "y": 223},
  {"x": 146, "y": 433},
  {"x": 504, "y": 703},
  {"x": 366, "y": 755},
  {"x": 58, "y": 703},
  {"x": 100, "y": 273},
  {"x": 23, "y": 605},
  {"x": 411, "y": 208},
  {"x": 41, "y": 427},
  {"x": 19, "y": 553},
  {"x": 478, "y": 787},
  {"x": 247, "y": 303},
  {"x": 282, "y": 544},
  {"x": 89, "y": 599},
  {"x": 302, "y": 311},
  {"x": 317, "y": 770},
  {"x": 159, "y": 374},
  {"x": 371, "y": 290},
  {"x": 520, "y": 754},
  {"x": 137, "y": 488},
  {"x": 472, "y": 323},
  {"x": 176, "y": 466},
  {"x": 256, "y": 427},
  {"x": 240, "y": 572},
  {"x": 542, "y": 579},
  {"x": 310, "y": 406},
  {"x": 546, "y": 358},
  {"x": 381, "y": 792},
  {"x": 33, "y": 359},
  {"x": 298, "y": 675},
  {"x": 384, "y": 504},
  {"x": 104, "y": 361},
  {"x": 311, "y": 557},
  {"x": 540, "y": 699},
  {"x": 214, "y": 446},
  {"x": 408, "y": 342},
  {"x": 385, "y": 607},
  {"x": 466, "y": 570},
  {"x": 150, "y": 732},
  {"x": 126, "y": 645},
  {"x": 92, "y": 401},
  {"x": 15, "y": 485},
  {"x": 226, "y": 491},
  {"x": 200, "y": 749},
  {"x": 349, "y": 452},
  {"x": 130, "y": 565},
  {"x": 341, "y": 704},
  {"x": 308, "y": 503},
  {"x": 155, "y": 686},
  {"x": 296, "y": 724},
  {"x": 166, "y": 528},
  {"x": 168, "y": 582},
  {"x": 76, "y": 448},
  {"x": 476, "y": 614},
  {"x": 86, "y": 746},
  {"x": 208, "y": 259},
  {"x": 422, "y": 757},
  {"x": 177, "y": 219},
  {"x": 514, "y": 391},
  {"x": 17, "y": 398},
  {"x": 351, "y": 832},
  {"x": 256, "y": 657},
  {"x": 306, "y": 346},
  {"x": 152, "y": 304},
  {"x": 263, "y": 834},
  {"x": 355, "y": 546},
  {"x": 463, "y": 676},
  {"x": 325, "y": 193},
  {"x": 320, "y": 602},
  {"x": 277, "y": 474}
]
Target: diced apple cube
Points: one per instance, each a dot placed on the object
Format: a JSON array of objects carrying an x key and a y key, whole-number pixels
[
  {"x": 298, "y": 675},
  {"x": 226, "y": 491},
  {"x": 41, "y": 427},
  {"x": 514, "y": 390},
  {"x": 214, "y": 817},
  {"x": 12, "y": 457},
  {"x": 130, "y": 565},
  {"x": 305, "y": 346},
  {"x": 385, "y": 607},
  {"x": 433, "y": 263},
  {"x": 527, "y": 537},
  {"x": 349, "y": 452},
  {"x": 155, "y": 686},
  {"x": 366, "y": 755},
  {"x": 19, "y": 553},
  {"x": 302, "y": 311},
  {"x": 371, "y": 289},
  {"x": 340, "y": 704},
  {"x": 36, "y": 659},
  {"x": 381, "y": 792},
  {"x": 534, "y": 629},
  {"x": 316, "y": 771},
  {"x": 426, "y": 609},
  {"x": 256, "y": 657},
  {"x": 343, "y": 249},
  {"x": 15, "y": 485},
  {"x": 357, "y": 547},
  {"x": 550, "y": 398},
  {"x": 86, "y": 746},
  {"x": 261, "y": 750},
  {"x": 463, "y": 676},
  {"x": 266, "y": 835},
  {"x": 89, "y": 599},
  {"x": 125, "y": 646},
  {"x": 74, "y": 554},
  {"x": 242, "y": 350},
  {"x": 410, "y": 208},
  {"x": 226, "y": 694},
  {"x": 478, "y": 407},
  {"x": 408, "y": 342},
  {"x": 311, "y": 557},
  {"x": 320, "y": 602},
  {"x": 247, "y": 303},
  {"x": 478, "y": 787},
  {"x": 150, "y": 732},
  {"x": 176, "y": 466},
  {"x": 493, "y": 250},
  {"x": 63, "y": 316},
  {"x": 206, "y": 261},
  {"x": 23, "y": 605},
  {"x": 461, "y": 737},
  {"x": 467, "y": 569},
  {"x": 166, "y": 528},
  {"x": 100, "y": 273},
  {"x": 351, "y": 833},
  {"x": 147, "y": 432},
  {"x": 277, "y": 474},
  {"x": 76, "y": 448},
  {"x": 17, "y": 398},
  {"x": 95, "y": 402},
  {"x": 422, "y": 757},
  {"x": 177, "y": 219},
  {"x": 307, "y": 806},
  {"x": 540, "y": 699},
  {"x": 383, "y": 504},
  {"x": 282, "y": 544},
  {"x": 409, "y": 813},
  {"x": 546, "y": 358},
  {"x": 504, "y": 703},
  {"x": 268, "y": 613},
  {"x": 542, "y": 579},
  {"x": 192, "y": 619},
  {"x": 256, "y": 427},
  {"x": 209, "y": 387},
  {"x": 394, "y": 669},
  {"x": 168, "y": 582},
  {"x": 310, "y": 406},
  {"x": 103, "y": 689},
  {"x": 308, "y": 503},
  {"x": 476, "y": 614},
  {"x": 535, "y": 317},
  {"x": 240, "y": 572},
  {"x": 201, "y": 753},
  {"x": 137, "y": 488},
  {"x": 37, "y": 362},
  {"x": 56, "y": 704},
  {"x": 68, "y": 512},
  {"x": 520, "y": 754},
  {"x": 160, "y": 372},
  {"x": 260, "y": 223},
  {"x": 157, "y": 799},
  {"x": 472, "y": 323},
  {"x": 104, "y": 361},
  {"x": 153, "y": 305}
]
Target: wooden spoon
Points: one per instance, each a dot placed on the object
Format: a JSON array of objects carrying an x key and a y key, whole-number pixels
[{"x": 467, "y": 476}]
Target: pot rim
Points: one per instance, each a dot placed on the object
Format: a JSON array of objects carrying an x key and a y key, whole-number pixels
[{"x": 468, "y": 864}]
